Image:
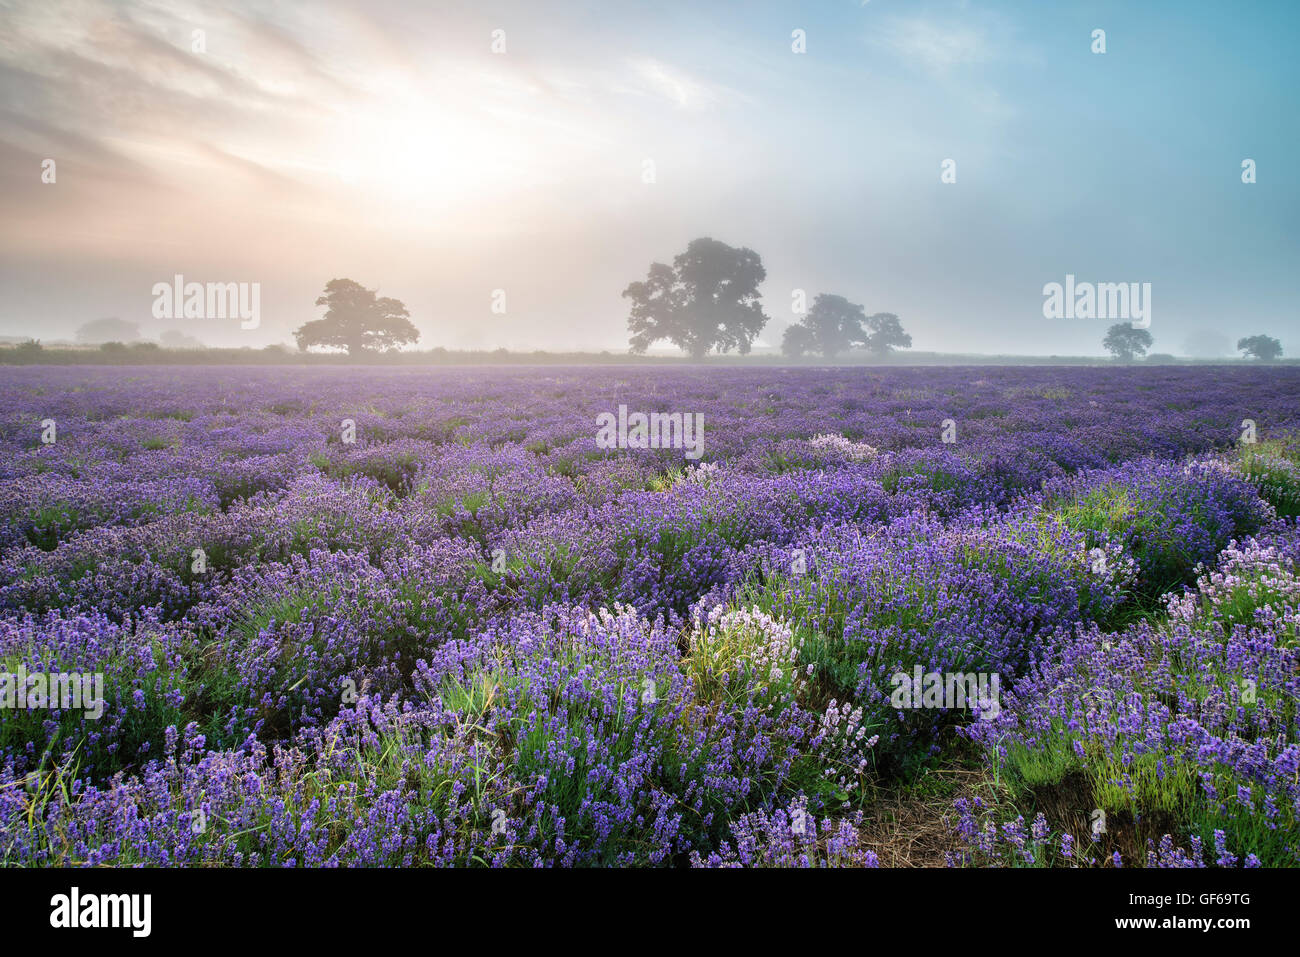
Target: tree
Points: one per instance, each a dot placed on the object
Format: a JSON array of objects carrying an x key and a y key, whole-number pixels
[
  {"x": 1124, "y": 342},
  {"x": 833, "y": 325},
  {"x": 797, "y": 340},
  {"x": 357, "y": 321},
  {"x": 886, "y": 332},
  {"x": 1264, "y": 348},
  {"x": 99, "y": 331},
  {"x": 708, "y": 299}
]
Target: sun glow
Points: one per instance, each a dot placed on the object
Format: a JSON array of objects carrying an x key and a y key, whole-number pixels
[{"x": 428, "y": 154}]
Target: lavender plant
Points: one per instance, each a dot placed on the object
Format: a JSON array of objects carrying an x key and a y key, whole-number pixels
[{"x": 459, "y": 631}]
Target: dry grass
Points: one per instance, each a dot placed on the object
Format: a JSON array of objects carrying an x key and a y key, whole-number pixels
[{"x": 909, "y": 826}]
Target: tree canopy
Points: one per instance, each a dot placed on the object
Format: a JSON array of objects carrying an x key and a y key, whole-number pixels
[
  {"x": 1125, "y": 343},
  {"x": 358, "y": 321},
  {"x": 886, "y": 332},
  {"x": 1265, "y": 348},
  {"x": 708, "y": 299},
  {"x": 834, "y": 325}
]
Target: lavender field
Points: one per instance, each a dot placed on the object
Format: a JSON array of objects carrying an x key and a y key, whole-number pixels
[{"x": 381, "y": 616}]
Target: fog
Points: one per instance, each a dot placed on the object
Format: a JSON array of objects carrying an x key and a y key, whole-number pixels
[{"x": 444, "y": 152}]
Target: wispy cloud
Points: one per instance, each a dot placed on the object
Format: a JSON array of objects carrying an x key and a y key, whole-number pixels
[
  {"x": 934, "y": 45},
  {"x": 653, "y": 77}
]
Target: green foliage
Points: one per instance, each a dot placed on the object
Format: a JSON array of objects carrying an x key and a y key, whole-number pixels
[{"x": 1274, "y": 468}]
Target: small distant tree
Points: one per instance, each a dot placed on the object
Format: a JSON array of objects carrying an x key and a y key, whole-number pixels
[
  {"x": 356, "y": 320},
  {"x": 707, "y": 299},
  {"x": 1264, "y": 348},
  {"x": 112, "y": 329},
  {"x": 1126, "y": 343},
  {"x": 886, "y": 333}
]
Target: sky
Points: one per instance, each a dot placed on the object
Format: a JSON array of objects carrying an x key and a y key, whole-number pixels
[{"x": 444, "y": 151}]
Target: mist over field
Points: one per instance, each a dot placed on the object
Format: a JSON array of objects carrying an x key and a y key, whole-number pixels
[{"x": 942, "y": 161}]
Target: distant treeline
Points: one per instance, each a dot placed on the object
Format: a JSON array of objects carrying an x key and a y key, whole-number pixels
[{"x": 148, "y": 353}]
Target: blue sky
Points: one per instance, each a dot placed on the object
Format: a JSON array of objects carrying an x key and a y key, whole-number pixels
[{"x": 388, "y": 143}]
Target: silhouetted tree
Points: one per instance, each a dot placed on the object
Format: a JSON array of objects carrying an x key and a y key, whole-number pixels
[
  {"x": 99, "y": 331},
  {"x": 833, "y": 325},
  {"x": 357, "y": 321},
  {"x": 1265, "y": 348},
  {"x": 797, "y": 340},
  {"x": 708, "y": 299},
  {"x": 886, "y": 333},
  {"x": 1124, "y": 342}
]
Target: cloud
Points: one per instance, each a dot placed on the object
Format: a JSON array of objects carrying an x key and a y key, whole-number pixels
[
  {"x": 656, "y": 78},
  {"x": 934, "y": 46}
]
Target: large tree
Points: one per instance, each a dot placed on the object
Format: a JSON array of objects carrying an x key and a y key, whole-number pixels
[
  {"x": 708, "y": 299},
  {"x": 1124, "y": 342},
  {"x": 1265, "y": 348},
  {"x": 356, "y": 320}
]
